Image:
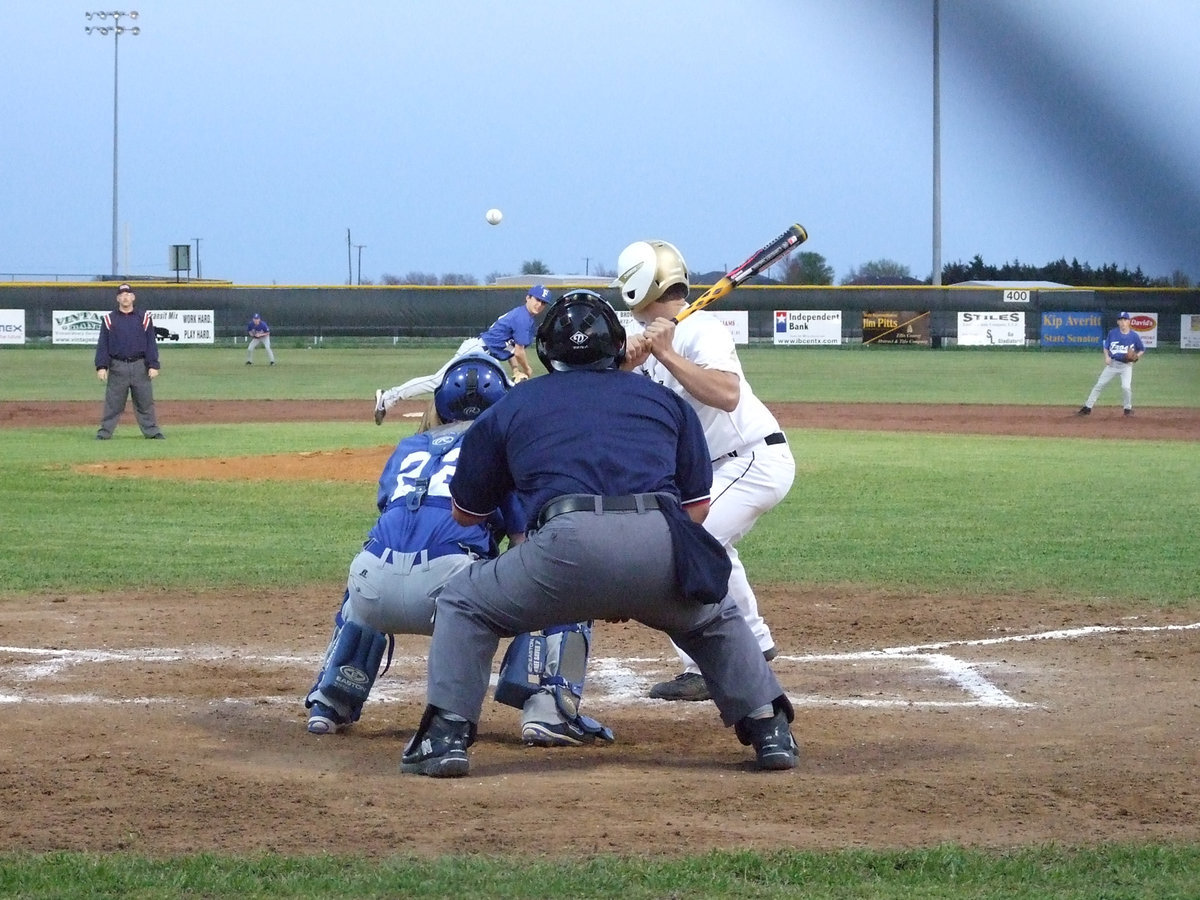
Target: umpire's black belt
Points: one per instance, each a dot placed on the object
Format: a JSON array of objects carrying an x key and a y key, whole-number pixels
[
  {"x": 570, "y": 503},
  {"x": 131, "y": 358},
  {"x": 384, "y": 552},
  {"x": 771, "y": 439}
]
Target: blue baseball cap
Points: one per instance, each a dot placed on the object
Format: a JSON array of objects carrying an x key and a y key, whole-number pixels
[
  {"x": 540, "y": 292},
  {"x": 256, "y": 316},
  {"x": 1124, "y": 315}
]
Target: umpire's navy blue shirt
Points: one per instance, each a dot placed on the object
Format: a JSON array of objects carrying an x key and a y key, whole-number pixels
[
  {"x": 128, "y": 336},
  {"x": 579, "y": 432}
]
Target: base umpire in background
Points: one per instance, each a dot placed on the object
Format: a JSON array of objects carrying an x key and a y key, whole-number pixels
[
  {"x": 618, "y": 469},
  {"x": 127, "y": 362}
]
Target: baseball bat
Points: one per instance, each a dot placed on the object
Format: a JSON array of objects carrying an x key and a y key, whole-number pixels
[{"x": 763, "y": 259}]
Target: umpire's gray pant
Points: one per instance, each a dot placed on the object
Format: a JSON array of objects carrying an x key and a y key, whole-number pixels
[
  {"x": 127, "y": 379},
  {"x": 581, "y": 566}
]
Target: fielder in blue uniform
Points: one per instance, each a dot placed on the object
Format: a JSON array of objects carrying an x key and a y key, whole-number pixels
[
  {"x": 1122, "y": 348},
  {"x": 414, "y": 547},
  {"x": 505, "y": 340},
  {"x": 618, "y": 468}
]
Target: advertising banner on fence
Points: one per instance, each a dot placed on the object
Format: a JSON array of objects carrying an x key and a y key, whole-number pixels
[
  {"x": 1189, "y": 331},
  {"x": 1072, "y": 329},
  {"x": 12, "y": 326},
  {"x": 902, "y": 327},
  {"x": 991, "y": 329},
  {"x": 821, "y": 326},
  {"x": 74, "y": 326},
  {"x": 1145, "y": 325},
  {"x": 737, "y": 321}
]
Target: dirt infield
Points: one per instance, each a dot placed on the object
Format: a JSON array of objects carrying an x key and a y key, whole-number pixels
[{"x": 163, "y": 723}]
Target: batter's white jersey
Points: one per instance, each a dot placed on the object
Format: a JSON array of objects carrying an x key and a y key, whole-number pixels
[
  {"x": 750, "y": 475},
  {"x": 702, "y": 339}
]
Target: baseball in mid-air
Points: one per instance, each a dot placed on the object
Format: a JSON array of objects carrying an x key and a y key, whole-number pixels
[{"x": 494, "y": 216}]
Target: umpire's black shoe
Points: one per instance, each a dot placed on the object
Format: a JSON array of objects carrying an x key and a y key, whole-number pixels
[
  {"x": 774, "y": 747},
  {"x": 440, "y": 750}
]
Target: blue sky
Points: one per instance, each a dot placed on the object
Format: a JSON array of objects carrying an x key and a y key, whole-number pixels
[{"x": 267, "y": 129}]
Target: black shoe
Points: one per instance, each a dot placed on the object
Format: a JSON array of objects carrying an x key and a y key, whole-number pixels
[
  {"x": 249, "y": 363},
  {"x": 104, "y": 437},
  {"x": 774, "y": 747},
  {"x": 156, "y": 437},
  {"x": 1084, "y": 411},
  {"x": 770, "y": 654},
  {"x": 441, "y": 751},
  {"x": 688, "y": 686},
  {"x": 1129, "y": 412}
]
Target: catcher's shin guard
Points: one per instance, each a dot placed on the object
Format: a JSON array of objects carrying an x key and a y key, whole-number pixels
[
  {"x": 551, "y": 662},
  {"x": 350, "y": 668}
]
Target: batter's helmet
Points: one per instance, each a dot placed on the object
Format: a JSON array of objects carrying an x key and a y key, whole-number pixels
[
  {"x": 470, "y": 385},
  {"x": 647, "y": 269},
  {"x": 580, "y": 331}
]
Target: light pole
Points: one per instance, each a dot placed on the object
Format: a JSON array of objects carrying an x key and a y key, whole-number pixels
[
  {"x": 117, "y": 30},
  {"x": 197, "y": 240}
]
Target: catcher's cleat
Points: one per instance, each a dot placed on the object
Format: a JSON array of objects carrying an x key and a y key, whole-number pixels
[
  {"x": 441, "y": 751},
  {"x": 1084, "y": 411},
  {"x": 562, "y": 734},
  {"x": 688, "y": 686},
  {"x": 325, "y": 720},
  {"x": 774, "y": 747},
  {"x": 380, "y": 411}
]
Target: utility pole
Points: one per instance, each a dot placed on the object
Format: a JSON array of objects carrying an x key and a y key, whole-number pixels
[
  {"x": 360, "y": 250},
  {"x": 197, "y": 240},
  {"x": 349, "y": 263}
]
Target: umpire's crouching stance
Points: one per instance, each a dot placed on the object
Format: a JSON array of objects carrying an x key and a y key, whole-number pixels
[{"x": 606, "y": 456}]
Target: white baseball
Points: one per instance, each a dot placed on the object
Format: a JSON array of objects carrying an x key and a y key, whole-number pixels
[{"x": 494, "y": 216}]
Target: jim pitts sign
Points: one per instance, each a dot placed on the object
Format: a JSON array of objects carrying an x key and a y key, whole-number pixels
[{"x": 194, "y": 326}]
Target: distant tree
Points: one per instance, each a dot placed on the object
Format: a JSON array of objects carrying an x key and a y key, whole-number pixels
[
  {"x": 534, "y": 267},
  {"x": 601, "y": 272},
  {"x": 1073, "y": 273},
  {"x": 423, "y": 278},
  {"x": 493, "y": 277},
  {"x": 452, "y": 278},
  {"x": 807, "y": 268},
  {"x": 880, "y": 271},
  {"x": 385, "y": 278},
  {"x": 1180, "y": 280}
]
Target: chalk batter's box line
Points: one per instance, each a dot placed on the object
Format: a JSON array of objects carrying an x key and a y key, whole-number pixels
[{"x": 964, "y": 675}]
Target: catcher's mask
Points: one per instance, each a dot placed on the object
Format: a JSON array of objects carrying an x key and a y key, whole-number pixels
[
  {"x": 646, "y": 269},
  {"x": 580, "y": 331},
  {"x": 470, "y": 385}
]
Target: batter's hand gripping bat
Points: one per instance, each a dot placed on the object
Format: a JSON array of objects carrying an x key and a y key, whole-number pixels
[{"x": 763, "y": 259}]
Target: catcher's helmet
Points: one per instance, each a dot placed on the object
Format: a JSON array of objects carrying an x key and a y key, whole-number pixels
[
  {"x": 646, "y": 269},
  {"x": 470, "y": 385},
  {"x": 580, "y": 331}
]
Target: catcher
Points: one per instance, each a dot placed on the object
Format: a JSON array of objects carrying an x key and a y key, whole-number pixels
[
  {"x": 1122, "y": 348},
  {"x": 260, "y": 334},
  {"x": 413, "y": 550}
]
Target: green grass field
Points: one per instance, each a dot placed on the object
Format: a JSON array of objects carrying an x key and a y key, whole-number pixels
[{"x": 1026, "y": 515}]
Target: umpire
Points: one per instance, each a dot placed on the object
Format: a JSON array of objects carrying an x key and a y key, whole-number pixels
[
  {"x": 618, "y": 469},
  {"x": 127, "y": 361}
]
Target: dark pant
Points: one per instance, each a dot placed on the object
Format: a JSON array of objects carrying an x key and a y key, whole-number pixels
[{"x": 126, "y": 379}]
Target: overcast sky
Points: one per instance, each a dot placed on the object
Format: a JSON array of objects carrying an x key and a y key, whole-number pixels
[{"x": 268, "y": 128}]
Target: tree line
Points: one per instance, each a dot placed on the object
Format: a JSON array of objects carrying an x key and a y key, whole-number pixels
[{"x": 809, "y": 268}]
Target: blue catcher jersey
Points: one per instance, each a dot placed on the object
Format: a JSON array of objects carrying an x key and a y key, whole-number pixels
[{"x": 414, "y": 498}]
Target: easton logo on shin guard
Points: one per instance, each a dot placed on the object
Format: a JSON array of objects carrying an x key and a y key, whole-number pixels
[{"x": 353, "y": 664}]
